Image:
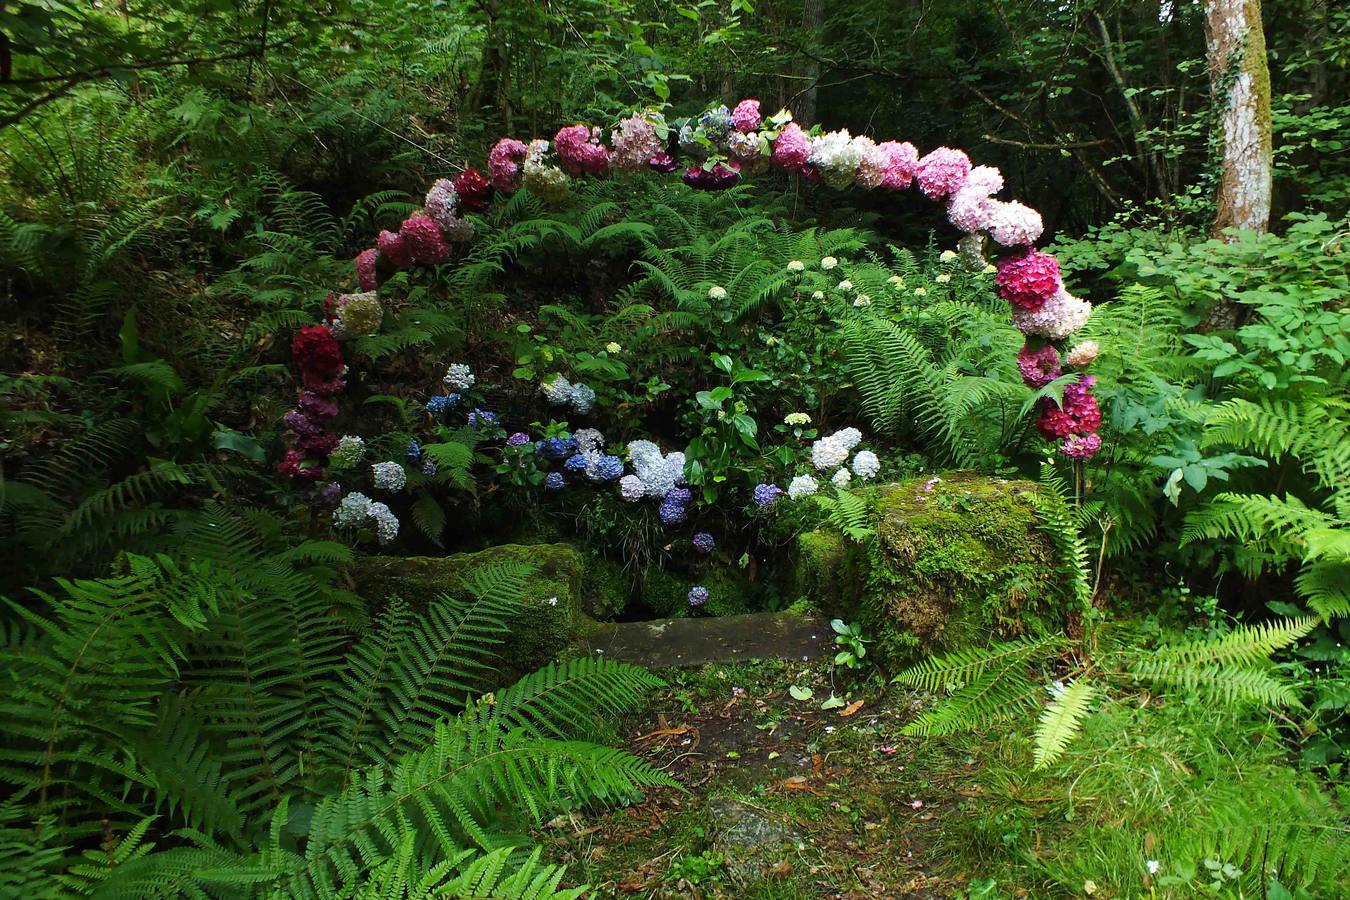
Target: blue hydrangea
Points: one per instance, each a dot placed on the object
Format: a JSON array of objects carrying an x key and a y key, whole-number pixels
[
  {"x": 554, "y": 482},
  {"x": 607, "y": 468},
  {"x": 442, "y": 404},
  {"x": 679, "y": 495},
  {"x": 698, "y": 595},
  {"x": 767, "y": 493},
  {"x": 716, "y": 123},
  {"x": 428, "y": 466},
  {"x": 575, "y": 463},
  {"x": 556, "y": 448},
  {"x": 414, "y": 450},
  {"x": 704, "y": 542},
  {"x": 480, "y": 418},
  {"x": 673, "y": 513},
  {"x": 519, "y": 439}
]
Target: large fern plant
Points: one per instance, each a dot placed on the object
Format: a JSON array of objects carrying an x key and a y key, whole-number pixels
[{"x": 251, "y": 735}]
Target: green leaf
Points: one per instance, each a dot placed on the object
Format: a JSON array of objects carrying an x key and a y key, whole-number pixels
[{"x": 801, "y": 693}]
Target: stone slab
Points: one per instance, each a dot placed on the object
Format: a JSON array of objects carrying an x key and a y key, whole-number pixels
[{"x": 677, "y": 643}]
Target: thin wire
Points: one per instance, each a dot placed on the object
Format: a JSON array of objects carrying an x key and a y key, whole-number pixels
[{"x": 365, "y": 118}]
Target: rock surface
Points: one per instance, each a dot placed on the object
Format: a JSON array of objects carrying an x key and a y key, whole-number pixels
[
  {"x": 749, "y": 838},
  {"x": 693, "y": 642}
]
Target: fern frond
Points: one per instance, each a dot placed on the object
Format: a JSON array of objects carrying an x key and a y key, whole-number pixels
[
  {"x": 961, "y": 666},
  {"x": 1061, "y": 721}
]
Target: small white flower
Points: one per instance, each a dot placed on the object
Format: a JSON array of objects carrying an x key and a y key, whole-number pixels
[
  {"x": 896, "y": 280},
  {"x": 818, "y": 295},
  {"x": 944, "y": 278},
  {"x": 828, "y": 263},
  {"x": 796, "y": 266},
  {"x": 1153, "y": 866},
  {"x": 921, "y": 291},
  {"x": 862, "y": 300},
  {"x": 717, "y": 292},
  {"x": 458, "y": 377},
  {"x": 797, "y": 418},
  {"x": 947, "y": 255},
  {"x": 613, "y": 347},
  {"x": 552, "y": 601},
  {"x": 845, "y": 285}
]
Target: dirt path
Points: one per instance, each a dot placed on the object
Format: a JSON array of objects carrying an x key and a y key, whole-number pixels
[{"x": 785, "y": 799}]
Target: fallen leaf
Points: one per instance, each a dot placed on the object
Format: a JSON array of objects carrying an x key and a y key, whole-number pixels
[
  {"x": 781, "y": 870},
  {"x": 833, "y": 702},
  {"x": 851, "y": 708},
  {"x": 801, "y": 693}
]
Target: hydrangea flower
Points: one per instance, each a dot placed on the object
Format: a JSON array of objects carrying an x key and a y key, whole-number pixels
[
  {"x": 504, "y": 164},
  {"x": 635, "y": 143},
  {"x": 557, "y": 390},
  {"x": 748, "y": 151},
  {"x": 1027, "y": 280},
  {"x": 547, "y": 182},
  {"x": 1058, "y": 318},
  {"x": 604, "y": 468},
  {"x": 1038, "y": 367},
  {"x": 796, "y": 266},
  {"x": 440, "y": 404},
  {"x": 902, "y": 163},
  {"x": 1082, "y": 355},
  {"x": 356, "y": 315},
  {"x": 680, "y": 495},
  {"x": 613, "y": 347},
  {"x": 580, "y": 151},
  {"x": 830, "y": 451},
  {"x": 556, "y": 448},
  {"x": 554, "y": 482},
  {"x": 791, "y": 149},
  {"x": 1081, "y": 446},
  {"x": 442, "y": 202},
  {"x": 424, "y": 240},
  {"x": 828, "y": 262},
  {"x": 414, "y": 450},
  {"x": 631, "y": 488},
  {"x": 481, "y": 418},
  {"x": 719, "y": 177},
  {"x": 328, "y": 495},
  {"x": 704, "y": 542},
  {"x": 766, "y": 494},
  {"x": 1013, "y": 225},
  {"x": 716, "y": 123},
  {"x": 866, "y": 465},
  {"x": 672, "y": 513},
  {"x": 459, "y": 377},
  {"x": 698, "y": 595},
  {"x": 589, "y": 439},
  {"x": 352, "y": 511},
  {"x": 576, "y": 464},
  {"x": 746, "y": 117},
  {"x": 348, "y": 453},
  {"x": 429, "y": 468},
  {"x": 836, "y": 156},
  {"x": 366, "y": 277},
  {"x": 519, "y": 439},
  {"x": 842, "y": 479},
  {"x": 388, "y": 476},
  {"x": 386, "y": 523},
  {"x": 802, "y": 486},
  {"x": 862, "y": 300},
  {"x": 942, "y": 172},
  {"x": 394, "y": 249},
  {"x": 717, "y": 292},
  {"x": 474, "y": 191},
  {"x": 583, "y": 398}
]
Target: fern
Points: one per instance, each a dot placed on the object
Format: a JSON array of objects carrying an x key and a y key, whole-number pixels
[{"x": 1062, "y": 720}]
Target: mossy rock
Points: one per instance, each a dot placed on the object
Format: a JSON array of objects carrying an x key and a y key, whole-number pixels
[
  {"x": 829, "y": 571},
  {"x": 666, "y": 593},
  {"x": 540, "y": 632},
  {"x": 958, "y": 559},
  {"x": 605, "y": 587}
]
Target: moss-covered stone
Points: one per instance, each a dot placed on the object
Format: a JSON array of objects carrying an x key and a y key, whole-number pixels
[
  {"x": 829, "y": 571},
  {"x": 605, "y": 587},
  {"x": 667, "y": 593},
  {"x": 958, "y": 560},
  {"x": 551, "y": 616}
]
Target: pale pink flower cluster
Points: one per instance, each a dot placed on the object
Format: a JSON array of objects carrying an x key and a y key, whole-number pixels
[
  {"x": 747, "y": 149},
  {"x": 942, "y": 172},
  {"x": 547, "y": 182},
  {"x": 1056, "y": 319},
  {"x": 635, "y": 143},
  {"x": 1014, "y": 225},
  {"x": 1082, "y": 355},
  {"x": 442, "y": 205}
]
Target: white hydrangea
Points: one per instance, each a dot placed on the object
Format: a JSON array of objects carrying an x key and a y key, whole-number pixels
[
  {"x": 557, "y": 390},
  {"x": 352, "y": 511},
  {"x": 851, "y": 437},
  {"x": 829, "y": 262},
  {"x": 582, "y": 399},
  {"x": 844, "y": 285},
  {"x": 862, "y": 300},
  {"x": 717, "y": 292},
  {"x": 817, "y": 295},
  {"x": 797, "y": 418},
  {"x": 459, "y": 377},
  {"x": 943, "y": 278},
  {"x": 842, "y": 479},
  {"x": 386, "y": 523},
  {"x": 349, "y": 451},
  {"x": 802, "y": 486},
  {"x": 866, "y": 465},
  {"x": 589, "y": 439},
  {"x": 1059, "y": 317},
  {"x": 947, "y": 256},
  {"x": 837, "y": 155},
  {"x": 389, "y": 476},
  {"x": 1082, "y": 354},
  {"x": 796, "y": 266},
  {"x": 631, "y": 488},
  {"x": 828, "y": 453}
]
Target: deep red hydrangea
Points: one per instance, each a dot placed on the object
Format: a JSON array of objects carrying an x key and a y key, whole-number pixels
[
  {"x": 1038, "y": 367},
  {"x": 1054, "y": 423},
  {"x": 293, "y": 466},
  {"x": 316, "y": 351},
  {"x": 1079, "y": 414},
  {"x": 394, "y": 249},
  {"x": 319, "y": 445},
  {"x": 474, "y": 190},
  {"x": 1028, "y": 279},
  {"x": 365, "y": 269},
  {"x": 424, "y": 240},
  {"x": 720, "y": 177},
  {"x": 580, "y": 151},
  {"x": 663, "y": 162}
]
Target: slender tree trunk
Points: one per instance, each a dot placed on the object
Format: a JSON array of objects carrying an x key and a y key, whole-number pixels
[
  {"x": 813, "y": 18},
  {"x": 1239, "y": 80}
]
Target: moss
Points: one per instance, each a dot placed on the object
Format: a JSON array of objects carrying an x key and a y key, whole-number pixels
[
  {"x": 541, "y": 630},
  {"x": 829, "y": 571},
  {"x": 667, "y": 593},
  {"x": 605, "y": 587},
  {"x": 956, "y": 561}
]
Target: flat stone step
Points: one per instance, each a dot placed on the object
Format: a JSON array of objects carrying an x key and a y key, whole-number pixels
[{"x": 676, "y": 643}]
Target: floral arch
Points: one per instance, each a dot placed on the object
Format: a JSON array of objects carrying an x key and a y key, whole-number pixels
[{"x": 714, "y": 152}]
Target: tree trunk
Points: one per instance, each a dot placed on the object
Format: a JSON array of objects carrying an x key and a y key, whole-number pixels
[
  {"x": 813, "y": 18},
  {"x": 1240, "y": 84}
]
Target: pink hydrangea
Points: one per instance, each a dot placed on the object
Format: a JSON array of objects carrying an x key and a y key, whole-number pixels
[
  {"x": 1081, "y": 446},
  {"x": 1014, "y": 225},
  {"x": 987, "y": 180},
  {"x": 791, "y": 149},
  {"x": 720, "y": 177},
  {"x": 393, "y": 248},
  {"x": 1082, "y": 355},
  {"x": 872, "y": 165},
  {"x": 663, "y": 162},
  {"x": 746, "y": 117},
  {"x": 1028, "y": 279},
  {"x": 580, "y": 151},
  {"x": 442, "y": 202},
  {"x": 1057, "y": 318},
  {"x": 504, "y": 163},
  {"x": 635, "y": 143},
  {"x": 970, "y": 211},
  {"x": 365, "y": 269},
  {"x": 1038, "y": 367},
  {"x": 424, "y": 240},
  {"x": 942, "y": 172},
  {"x": 902, "y": 163}
]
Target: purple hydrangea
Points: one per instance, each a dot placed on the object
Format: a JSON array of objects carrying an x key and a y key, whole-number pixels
[
  {"x": 556, "y": 448},
  {"x": 679, "y": 495},
  {"x": 328, "y": 495},
  {"x": 414, "y": 450},
  {"x": 704, "y": 542},
  {"x": 767, "y": 493},
  {"x": 428, "y": 466},
  {"x": 698, "y": 595},
  {"x": 607, "y": 469},
  {"x": 672, "y": 513},
  {"x": 554, "y": 482},
  {"x": 519, "y": 439},
  {"x": 479, "y": 418}
]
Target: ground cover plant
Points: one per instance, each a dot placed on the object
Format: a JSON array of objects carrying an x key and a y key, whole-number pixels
[{"x": 415, "y": 416}]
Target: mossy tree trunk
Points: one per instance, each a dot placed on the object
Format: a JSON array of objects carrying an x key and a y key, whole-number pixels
[{"x": 1239, "y": 79}]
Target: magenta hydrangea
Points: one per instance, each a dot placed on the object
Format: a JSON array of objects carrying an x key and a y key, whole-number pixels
[
  {"x": 942, "y": 172},
  {"x": 746, "y": 117},
  {"x": 791, "y": 149},
  {"x": 505, "y": 160},
  {"x": 1081, "y": 446},
  {"x": 423, "y": 239},
  {"x": 395, "y": 249},
  {"x": 366, "y": 276},
  {"x": 718, "y": 178},
  {"x": 1027, "y": 280},
  {"x": 902, "y": 162},
  {"x": 580, "y": 151},
  {"x": 1039, "y": 367}
]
